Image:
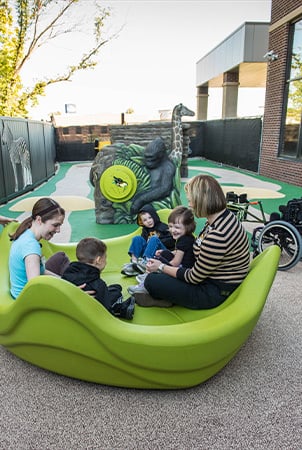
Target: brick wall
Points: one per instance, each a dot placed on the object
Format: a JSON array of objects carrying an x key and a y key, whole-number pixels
[
  {"x": 271, "y": 165},
  {"x": 82, "y": 133},
  {"x": 280, "y": 8}
]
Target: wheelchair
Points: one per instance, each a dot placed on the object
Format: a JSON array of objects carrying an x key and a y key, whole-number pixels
[{"x": 284, "y": 228}]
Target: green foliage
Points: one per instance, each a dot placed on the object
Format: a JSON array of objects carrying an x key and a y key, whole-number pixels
[
  {"x": 132, "y": 156},
  {"x": 295, "y": 88},
  {"x": 122, "y": 213},
  {"x": 27, "y": 25}
]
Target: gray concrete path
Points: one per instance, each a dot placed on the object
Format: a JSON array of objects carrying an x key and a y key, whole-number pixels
[{"x": 253, "y": 403}]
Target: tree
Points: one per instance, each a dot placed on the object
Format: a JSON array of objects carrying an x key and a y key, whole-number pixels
[
  {"x": 295, "y": 88},
  {"x": 26, "y": 26}
]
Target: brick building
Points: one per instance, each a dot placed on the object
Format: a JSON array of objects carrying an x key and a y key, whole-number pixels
[
  {"x": 82, "y": 133},
  {"x": 263, "y": 55},
  {"x": 281, "y": 150}
]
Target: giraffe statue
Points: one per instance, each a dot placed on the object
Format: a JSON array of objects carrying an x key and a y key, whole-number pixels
[
  {"x": 19, "y": 154},
  {"x": 177, "y": 132}
]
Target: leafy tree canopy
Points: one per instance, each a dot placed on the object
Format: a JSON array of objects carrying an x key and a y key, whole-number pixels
[{"x": 26, "y": 26}]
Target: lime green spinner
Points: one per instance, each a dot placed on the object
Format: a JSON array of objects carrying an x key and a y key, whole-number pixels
[{"x": 57, "y": 326}]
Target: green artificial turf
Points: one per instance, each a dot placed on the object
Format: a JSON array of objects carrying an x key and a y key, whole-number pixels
[
  {"x": 83, "y": 222},
  {"x": 269, "y": 205}
]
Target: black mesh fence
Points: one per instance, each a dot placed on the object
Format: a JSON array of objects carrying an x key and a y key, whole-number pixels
[
  {"x": 235, "y": 142},
  {"x": 75, "y": 151}
]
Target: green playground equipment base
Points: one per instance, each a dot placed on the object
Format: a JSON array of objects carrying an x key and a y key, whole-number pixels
[{"x": 58, "y": 327}]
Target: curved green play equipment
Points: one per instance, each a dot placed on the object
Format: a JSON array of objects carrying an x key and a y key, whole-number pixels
[{"x": 56, "y": 326}]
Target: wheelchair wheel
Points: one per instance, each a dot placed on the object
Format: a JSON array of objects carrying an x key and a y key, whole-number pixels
[{"x": 287, "y": 237}]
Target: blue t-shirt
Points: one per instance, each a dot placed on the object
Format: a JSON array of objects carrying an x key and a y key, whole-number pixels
[{"x": 25, "y": 245}]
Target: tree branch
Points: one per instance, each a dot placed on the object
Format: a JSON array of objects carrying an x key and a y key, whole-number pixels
[{"x": 38, "y": 37}]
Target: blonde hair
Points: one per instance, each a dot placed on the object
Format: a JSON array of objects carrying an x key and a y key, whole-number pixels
[{"x": 205, "y": 195}]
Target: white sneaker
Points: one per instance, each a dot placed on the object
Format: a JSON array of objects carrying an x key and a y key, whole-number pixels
[
  {"x": 141, "y": 277},
  {"x": 137, "y": 288}
]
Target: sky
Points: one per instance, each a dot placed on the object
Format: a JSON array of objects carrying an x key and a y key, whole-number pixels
[{"x": 151, "y": 64}]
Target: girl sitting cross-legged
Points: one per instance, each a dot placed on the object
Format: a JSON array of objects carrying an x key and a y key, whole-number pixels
[{"x": 182, "y": 226}]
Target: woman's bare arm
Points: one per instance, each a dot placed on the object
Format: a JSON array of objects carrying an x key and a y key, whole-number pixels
[{"x": 32, "y": 266}]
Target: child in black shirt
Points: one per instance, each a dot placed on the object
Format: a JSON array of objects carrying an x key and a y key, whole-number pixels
[
  {"x": 182, "y": 226},
  {"x": 155, "y": 235},
  {"x": 91, "y": 255}
]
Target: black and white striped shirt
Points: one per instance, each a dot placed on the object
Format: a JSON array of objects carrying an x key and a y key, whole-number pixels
[{"x": 221, "y": 251}]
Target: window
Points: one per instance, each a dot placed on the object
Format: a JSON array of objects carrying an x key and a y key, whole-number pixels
[
  {"x": 78, "y": 130},
  {"x": 292, "y": 132}
]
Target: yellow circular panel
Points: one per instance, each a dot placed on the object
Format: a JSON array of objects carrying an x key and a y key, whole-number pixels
[
  {"x": 68, "y": 202},
  {"x": 253, "y": 192},
  {"x": 118, "y": 183}
]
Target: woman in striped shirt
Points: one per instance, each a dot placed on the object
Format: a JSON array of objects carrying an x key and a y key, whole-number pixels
[{"x": 221, "y": 251}]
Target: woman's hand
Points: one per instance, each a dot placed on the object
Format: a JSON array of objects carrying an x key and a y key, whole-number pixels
[
  {"x": 52, "y": 274},
  {"x": 6, "y": 220},
  {"x": 158, "y": 252},
  {"x": 153, "y": 265},
  {"x": 82, "y": 286}
]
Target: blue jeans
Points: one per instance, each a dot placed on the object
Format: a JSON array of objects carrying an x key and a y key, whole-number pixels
[{"x": 141, "y": 248}]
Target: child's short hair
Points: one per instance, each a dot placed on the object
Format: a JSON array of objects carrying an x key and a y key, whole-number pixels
[
  {"x": 90, "y": 248},
  {"x": 139, "y": 218},
  {"x": 184, "y": 215}
]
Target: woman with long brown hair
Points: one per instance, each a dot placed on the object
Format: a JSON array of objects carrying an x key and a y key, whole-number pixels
[{"x": 25, "y": 260}]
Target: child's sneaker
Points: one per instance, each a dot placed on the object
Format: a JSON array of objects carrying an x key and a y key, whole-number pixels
[
  {"x": 129, "y": 270},
  {"x": 124, "y": 309},
  {"x": 140, "y": 265},
  {"x": 127, "y": 309}
]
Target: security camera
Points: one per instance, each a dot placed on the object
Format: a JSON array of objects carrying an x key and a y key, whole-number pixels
[{"x": 271, "y": 56}]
